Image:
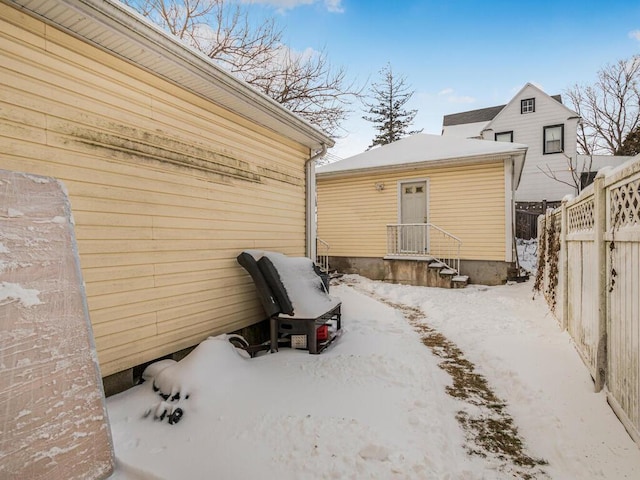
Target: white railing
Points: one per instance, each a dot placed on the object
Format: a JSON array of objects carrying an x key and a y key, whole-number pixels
[
  {"x": 322, "y": 254},
  {"x": 423, "y": 240}
]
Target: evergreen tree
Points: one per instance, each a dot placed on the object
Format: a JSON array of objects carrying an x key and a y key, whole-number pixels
[
  {"x": 631, "y": 144},
  {"x": 386, "y": 112}
]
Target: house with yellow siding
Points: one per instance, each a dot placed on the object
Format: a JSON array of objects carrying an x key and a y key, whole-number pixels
[
  {"x": 172, "y": 166},
  {"x": 392, "y": 211}
]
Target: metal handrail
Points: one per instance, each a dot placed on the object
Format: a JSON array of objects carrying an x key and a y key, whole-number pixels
[
  {"x": 424, "y": 240},
  {"x": 431, "y": 225},
  {"x": 322, "y": 259}
]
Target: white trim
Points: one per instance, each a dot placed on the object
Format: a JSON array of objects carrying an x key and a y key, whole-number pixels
[
  {"x": 311, "y": 224},
  {"x": 310, "y": 214},
  {"x": 509, "y": 213},
  {"x": 516, "y": 98},
  {"x": 410, "y": 166},
  {"x": 413, "y": 258}
]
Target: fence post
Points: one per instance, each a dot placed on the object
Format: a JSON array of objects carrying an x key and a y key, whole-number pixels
[
  {"x": 600, "y": 225},
  {"x": 564, "y": 265}
]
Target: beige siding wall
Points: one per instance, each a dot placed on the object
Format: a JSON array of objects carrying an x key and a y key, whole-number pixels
[
  {"x": 467, "y": 201},
  {"x": 166, "y": 189}
]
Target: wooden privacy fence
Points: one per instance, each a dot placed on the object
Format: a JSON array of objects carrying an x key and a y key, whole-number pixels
[
  {"x": 526, "y": 224},
  {"x": 527, "y": 214},
  {"x": 589, "y": 272}
]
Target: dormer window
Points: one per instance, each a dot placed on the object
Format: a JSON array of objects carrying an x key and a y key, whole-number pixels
[{"x": 528, "y": 105}]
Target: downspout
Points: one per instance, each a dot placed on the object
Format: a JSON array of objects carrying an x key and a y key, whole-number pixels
[
  {"x": 514, "y": 244},
  {"x": 311, "y": 202},
  {"x": 509, "y": 168}
]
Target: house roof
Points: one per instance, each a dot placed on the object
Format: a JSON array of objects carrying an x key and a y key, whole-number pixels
[
  {"x": 531, "y": 86},
  {"x": 105, "y": 23},
  {"x": 466, "y": 130},
  {"x": 480, "y": 115},
  {"x": 472, "y": 116},
  {"x": 423, "y": 148}
]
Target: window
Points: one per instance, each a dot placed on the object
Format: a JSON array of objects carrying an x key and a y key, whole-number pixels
[
  {"x": 553, "y": 139},
  {"x": 504, "y": 137},
  {"x": 528, "y": 105}
]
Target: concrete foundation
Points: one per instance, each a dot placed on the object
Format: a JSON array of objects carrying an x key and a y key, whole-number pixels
[
  {"x": 416, "y": 272},
  {"x": 121, "y": 381}
]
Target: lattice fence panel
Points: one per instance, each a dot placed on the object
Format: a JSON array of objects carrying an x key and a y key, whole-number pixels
[
  {"x": 580, "y": 217},
  {"x": 625, "y": 204}
]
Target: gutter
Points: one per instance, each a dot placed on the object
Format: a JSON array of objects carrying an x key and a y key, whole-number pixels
[
  {"x": 402, "y": 167},
  {"x": 311, "y": 227}
]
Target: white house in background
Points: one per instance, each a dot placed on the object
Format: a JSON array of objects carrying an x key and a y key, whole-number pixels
[{"x": 535, "y": 119}]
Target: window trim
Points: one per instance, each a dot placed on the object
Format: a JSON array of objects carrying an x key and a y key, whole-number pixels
[
  {"x": 533, "y": 105},
  {"x": 509, "y": 132},
  {"x": 544, "y": 138}
]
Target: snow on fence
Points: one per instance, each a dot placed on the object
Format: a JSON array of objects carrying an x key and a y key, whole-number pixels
[{"x": 590, "y": 276}]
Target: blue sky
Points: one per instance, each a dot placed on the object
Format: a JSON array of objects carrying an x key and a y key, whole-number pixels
[{"x": 459, "y": 55}]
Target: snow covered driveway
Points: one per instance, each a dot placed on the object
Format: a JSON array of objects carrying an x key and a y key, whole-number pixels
[{"x": 375, "y": 404}]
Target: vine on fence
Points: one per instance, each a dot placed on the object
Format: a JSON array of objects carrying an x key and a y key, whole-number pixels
[
  {"x": 542, "y": 252},
  {"x": 612, "y": 247},
  {"x": 548, "y": 256},
  {"x": 553, "y": 257}
]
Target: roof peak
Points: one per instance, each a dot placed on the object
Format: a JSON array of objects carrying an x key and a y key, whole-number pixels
[{"x": 484, "y": 114}]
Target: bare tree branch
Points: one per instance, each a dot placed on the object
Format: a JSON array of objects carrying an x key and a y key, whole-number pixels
[
  {"x": 304, "y": 83},
  {"x": 610, "y": 108},
  {"x": 574, "y": 169}
]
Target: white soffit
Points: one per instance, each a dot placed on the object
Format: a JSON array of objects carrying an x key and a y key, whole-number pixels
[{"x": 114, "y": 27}]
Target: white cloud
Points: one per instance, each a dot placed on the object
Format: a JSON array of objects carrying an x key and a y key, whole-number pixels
[
  {"x": 449, "y": 95},
  {"x": 635, "y": 34},
  {"x": 334, "y": 6},
  {"x": 284, "y": 54},
  {"x": 331, "y": 5},
  {"x": 461, "y": 99}
]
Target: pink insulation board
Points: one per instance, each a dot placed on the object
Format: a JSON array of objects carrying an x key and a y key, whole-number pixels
[{"x": 53, "y": 419}]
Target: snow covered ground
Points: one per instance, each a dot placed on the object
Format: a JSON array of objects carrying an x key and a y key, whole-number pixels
[
  {"x": 383, "y": 401},
  {"x": 528, "y": 254}
]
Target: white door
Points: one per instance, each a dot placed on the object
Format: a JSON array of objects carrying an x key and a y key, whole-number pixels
[{"x": 413, "y": 215}]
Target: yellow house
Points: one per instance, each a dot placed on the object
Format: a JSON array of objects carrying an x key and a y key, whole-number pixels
[
  {"x": 386, "y": 212},
  {"x": 172, "y": 165}
]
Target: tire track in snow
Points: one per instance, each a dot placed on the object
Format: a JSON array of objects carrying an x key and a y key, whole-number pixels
[{"x": 489, "y": 429}]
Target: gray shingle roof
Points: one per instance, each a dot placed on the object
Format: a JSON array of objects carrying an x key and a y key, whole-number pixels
[
  {"x": 472, "y": 116},
  {"x": 480, "y": 115}
]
